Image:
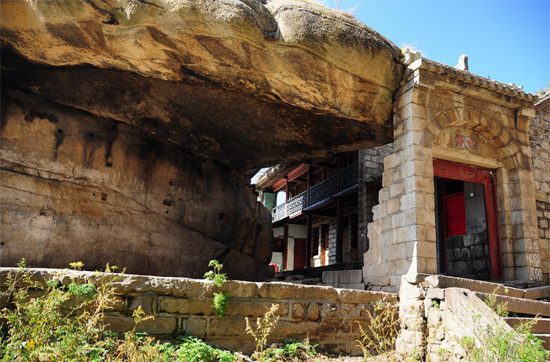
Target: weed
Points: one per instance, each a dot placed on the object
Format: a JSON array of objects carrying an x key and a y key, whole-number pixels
[
  {"x": 49, "y": 321},
  {"x": 221, "y": 299},
  {"x": 264, "y": 327},
  {"x": 77, "y": 265},
  {"x": 381, "y": 331},
  {"x": 498, "y": 343},
  {"x": 290, "y": 350},
  {"x": 501, "y": 309}
]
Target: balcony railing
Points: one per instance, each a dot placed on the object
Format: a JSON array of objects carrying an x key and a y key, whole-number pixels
[
  {"x": 317, "y": 194},
  {"x": 279, "y": 212},
  {"x": 323, "y": 191},
  {"x": 297, "y": 204},
  {"x": 349, "y": 176}
]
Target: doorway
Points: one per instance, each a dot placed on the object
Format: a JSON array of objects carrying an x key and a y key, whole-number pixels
[{"x": 466, "y": 226}]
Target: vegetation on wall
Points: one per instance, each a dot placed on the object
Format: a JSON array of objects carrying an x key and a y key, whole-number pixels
[
  {"x": 55, "y": 320},
  {"x": 221, "y": 299},
  {"x": 498, "y": 343}
]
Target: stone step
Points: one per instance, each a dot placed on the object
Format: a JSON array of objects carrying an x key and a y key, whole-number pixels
[
  {"x": 545, "y": 340},
  {"x": 444, "y": 281},
  {"x": 542, "y": 325},
  {"x": 521, "y": 305},
  {"x": 334, "y": 277},
  {"x": 359, "y": 286}
]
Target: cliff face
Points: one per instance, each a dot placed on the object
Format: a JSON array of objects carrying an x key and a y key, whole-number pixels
[{"x": 129, "y": 128}]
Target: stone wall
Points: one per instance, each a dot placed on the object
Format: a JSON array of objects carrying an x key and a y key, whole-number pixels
[
  {"x": 435, "y": 320},
  {"x": 543, "y": 218},
  {"x": 180, "y": 305},
  {"x": 540, "y": 146},
  {"x": 371, "y": 167}
]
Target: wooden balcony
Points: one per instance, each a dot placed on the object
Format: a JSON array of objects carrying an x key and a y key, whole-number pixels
[{"x": 318, "y": 195}]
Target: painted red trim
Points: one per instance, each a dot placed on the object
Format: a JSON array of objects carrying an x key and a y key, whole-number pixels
[
  {"x": 461, "y": 172},
  {"x": 291, "y": 175}
]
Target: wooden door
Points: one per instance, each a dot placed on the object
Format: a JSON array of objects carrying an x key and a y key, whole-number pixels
[
  {"x": 456, "y": 171},
  {"x": 299, "y": 253}
]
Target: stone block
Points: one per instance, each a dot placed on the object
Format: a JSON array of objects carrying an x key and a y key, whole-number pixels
[
  {"x": 254, "y": 308},
  {"x": 241, "y": 289},
  {"x": 358, "y": 286},
  {"x": 342, "y": 277},
  {"x": 313, "y": 312},
  {"x": 119, "y": 322},
  {"x": 294, "y": 291},
  {"x": 298, "y": 330},
  {"x": 160, "y": 325},
  {"x": 147, "y": 301},
  {"x": 299, "y": 310},
  {"x": 228, "y": 326},
  {"x": 196, "y": 326},
  {"x": 173, "y": 305}
]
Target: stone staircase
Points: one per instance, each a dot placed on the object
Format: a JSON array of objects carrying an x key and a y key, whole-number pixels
[{"x": 523, "y": 304}]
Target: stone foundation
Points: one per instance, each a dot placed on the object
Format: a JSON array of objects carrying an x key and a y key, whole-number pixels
[{"x": 326, "y": 315}]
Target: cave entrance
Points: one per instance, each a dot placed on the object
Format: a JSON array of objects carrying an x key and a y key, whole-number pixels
[{"x": 466, "y": 226}]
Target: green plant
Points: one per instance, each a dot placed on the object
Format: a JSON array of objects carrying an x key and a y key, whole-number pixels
[
  {"x": 501, "y": 309},
  {"x": 499, "y": 343},
  {"x": 77, "y": 265},
  {"x": 289, "y": 350},
  {"x": 381, "y": 330},
  {"x": 262, "y": 330},
  {"x": 193, "y": 349},
  {"x": 221, "y": 299},
  {"x": 49, "y": 321}
]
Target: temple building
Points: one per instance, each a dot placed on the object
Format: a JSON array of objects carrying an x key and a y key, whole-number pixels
[{"x": 463, "y": 190}]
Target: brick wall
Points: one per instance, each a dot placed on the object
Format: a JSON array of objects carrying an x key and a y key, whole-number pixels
[
  {"x": 540, "y": 146},
  {"x": 181, "y": 305}
]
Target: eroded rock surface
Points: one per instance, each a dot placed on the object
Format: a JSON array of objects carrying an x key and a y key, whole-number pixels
[{"x": 129, "y": 128}]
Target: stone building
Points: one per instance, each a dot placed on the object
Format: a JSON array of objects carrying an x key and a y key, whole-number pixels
[{"x": 464, "y": 187}]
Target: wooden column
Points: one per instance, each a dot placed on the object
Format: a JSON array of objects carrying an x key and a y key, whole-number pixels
[
  {"x": 339, "y": 231},
  {"x": 339, "y": 211},
  {"x": 285, "y": 247}
]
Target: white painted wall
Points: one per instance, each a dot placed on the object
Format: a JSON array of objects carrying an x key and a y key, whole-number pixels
[{"x": 294, "y": 231}]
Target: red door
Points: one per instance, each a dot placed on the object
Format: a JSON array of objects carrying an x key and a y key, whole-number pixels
[
  {"x": 299, "y": 253},
  {"x": 456, "y": 171}
]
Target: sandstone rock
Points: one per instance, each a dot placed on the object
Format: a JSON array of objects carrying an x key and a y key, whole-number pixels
[
  {"x": 313, "y": 312},
  {"x": 129, "y": 129},
  {"x": 298, "y": 310}
]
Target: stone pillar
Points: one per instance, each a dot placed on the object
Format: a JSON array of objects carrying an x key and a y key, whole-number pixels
[{"x": 402, "y": 236}]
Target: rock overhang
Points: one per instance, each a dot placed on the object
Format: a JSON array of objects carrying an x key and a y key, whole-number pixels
[{"x": 246, "y": 83}]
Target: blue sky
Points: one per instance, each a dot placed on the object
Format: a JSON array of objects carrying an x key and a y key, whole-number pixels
[{"x": 509, "y": 41}]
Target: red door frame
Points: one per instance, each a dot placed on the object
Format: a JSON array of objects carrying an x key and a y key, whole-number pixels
[{"x": 461, "y": 172}]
